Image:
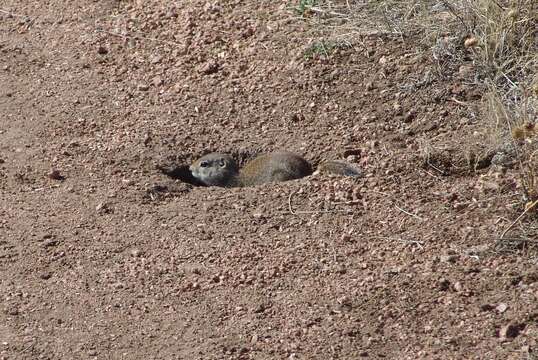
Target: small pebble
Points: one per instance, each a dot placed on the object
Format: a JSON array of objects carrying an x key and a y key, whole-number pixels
[
  {"x": 510, "y": 331},
  {"x": 157, "y": 81},
  {"x": 45, "y": 275},
  {"x": 444, "y": 284},
  {"x": 471, "y": 42},
  {"x": 102, "y": 208},
  {"x": 13, "y": 311},
  {"x": 136, "y": 252},
  {"x": 55, "y": 174},
  {"x": 448, "y": 258},
  {"x": 50, "y": 243},
  {"x": 143, "y": 87},
  {"x": 101, "y": 50},
  {"x": 502, "y": 307},
  {"x": 209, "y": 68}
]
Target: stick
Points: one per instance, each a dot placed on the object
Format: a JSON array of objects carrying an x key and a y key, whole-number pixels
[
  {"x": 459, "y": 102},
  {"x": 435, "y": 168},
  {"x": 408, "y": 213},
  {"x": 529, "y": 208},
  {"x": 289, "y": 203}
]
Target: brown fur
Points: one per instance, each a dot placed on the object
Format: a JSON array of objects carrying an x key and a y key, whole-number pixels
[{"x": 217, "y": 169}]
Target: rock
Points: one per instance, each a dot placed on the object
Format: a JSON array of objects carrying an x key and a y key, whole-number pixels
[
  {"x": 502, "y": 307},
  {"x": 444, "y": 284},
  {"x": 103, "y": 208},
  {"x": 128, "y": 182},
  {"x": 344, "y": 303},
  {"x": 503, "y": 160},
  {"x": 101, "y": 50},
  {"x": 136, "y": 252},
  {"x": 449, "y": 258},
  {"x": 510, "y": 331},
  {"x": 259, "y": 309},
  {"x": 345, "y": 237},
  {"x": 45, "y": 275},
  {"x": 466, "y": 70},
  {"x": 409, "y": 116},
  {"x": 157, "y": 81},
  {"x": 13, "y": 311},
  {"x": 55, "y": 174},
  {"x": 209, "y": 68},
  {"x": 352, "y": 152},
  {"x": 143, "y": 87},
  {"x": 147, "y": 139},
  {"x": 477, "y": 250},
  {"x": 155, "y": 59},
  {"x": 50, "y": 243},
  {"x": 470, "y": 42}
]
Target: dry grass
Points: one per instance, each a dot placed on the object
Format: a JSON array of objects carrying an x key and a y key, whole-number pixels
[{"x": 505, "y": 32}]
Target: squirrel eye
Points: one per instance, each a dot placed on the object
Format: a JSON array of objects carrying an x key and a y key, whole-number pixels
[
  {"x": 204, "y": 164},
  {"x": 222, "y": 163}
]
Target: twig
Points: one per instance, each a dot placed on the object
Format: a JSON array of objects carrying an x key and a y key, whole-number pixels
[
  {"x": 289, "y": 203},
  {"x": 433, "y": 176},
  {"x": 442, "y": 172},
  {"x": 459, "y": 102},
  {"x": 408, "y": 213},
  {"x": 529, "y": 208}
]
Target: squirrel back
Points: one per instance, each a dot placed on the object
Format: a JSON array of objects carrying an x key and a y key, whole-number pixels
[{"x": 274, "y": 167}]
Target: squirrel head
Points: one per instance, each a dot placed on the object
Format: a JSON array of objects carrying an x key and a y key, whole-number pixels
[{"x": 215, "y": 170}]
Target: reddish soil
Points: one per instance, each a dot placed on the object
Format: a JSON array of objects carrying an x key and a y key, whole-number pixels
[{"x": 110, "y": 258}]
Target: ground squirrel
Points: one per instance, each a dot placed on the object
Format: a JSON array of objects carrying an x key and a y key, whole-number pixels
[{"x": 217, "y": 169}]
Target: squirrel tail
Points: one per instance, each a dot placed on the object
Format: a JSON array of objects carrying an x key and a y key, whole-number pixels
[{"x": 338, "y": 167}]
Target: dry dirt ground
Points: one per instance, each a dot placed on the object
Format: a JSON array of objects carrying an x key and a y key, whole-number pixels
[{"x": 114, "y": 257}]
